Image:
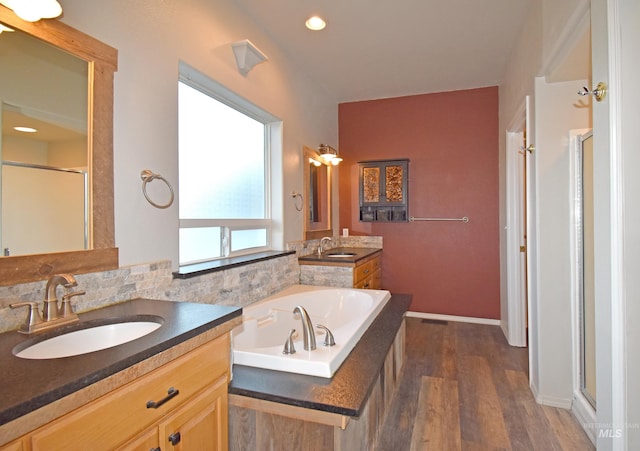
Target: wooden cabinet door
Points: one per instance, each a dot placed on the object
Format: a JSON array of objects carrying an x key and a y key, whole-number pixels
[
  {"x": 14, "y": 446},
  {"x": 146, "y": 441},
  {"x": 200, "y": 424}
]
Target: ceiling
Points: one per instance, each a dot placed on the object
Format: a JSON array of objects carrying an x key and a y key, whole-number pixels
[{"x": 377, "y": 49}]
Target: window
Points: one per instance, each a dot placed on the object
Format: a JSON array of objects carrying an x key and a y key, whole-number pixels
[{"x": 224, "y": 171}]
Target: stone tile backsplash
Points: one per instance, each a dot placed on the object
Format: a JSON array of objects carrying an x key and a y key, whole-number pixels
[
  {"x": 311, "y": 246},
  {"x": 239, "y": 286}
]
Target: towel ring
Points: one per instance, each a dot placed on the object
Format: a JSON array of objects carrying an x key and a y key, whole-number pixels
[
  {"x": 147, "y": 176},
  {"x": 297, "y": 196}
]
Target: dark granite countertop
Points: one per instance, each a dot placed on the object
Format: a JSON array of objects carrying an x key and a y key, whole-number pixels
[
  {"x": 31, "y": 384},
  {"x": 348, "y": 390},
  {"x": 360, "y": 253}
]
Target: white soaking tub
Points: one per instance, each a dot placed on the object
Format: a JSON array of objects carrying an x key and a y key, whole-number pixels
[{"x": 348, "y": 312}]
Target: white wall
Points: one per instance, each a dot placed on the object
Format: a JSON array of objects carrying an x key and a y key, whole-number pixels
[
  {"x": 522, "y": 67},
  {"x": 152, "y": 37},
  {"x": 557, "y": 111}
]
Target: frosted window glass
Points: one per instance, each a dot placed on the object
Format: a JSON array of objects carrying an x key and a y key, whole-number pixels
[
  {"x": 222, "y": 160},
  {"x": 199, "y": 244},
  {"x": 247, "y": 239}
]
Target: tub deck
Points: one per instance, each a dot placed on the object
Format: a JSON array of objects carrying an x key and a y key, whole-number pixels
[{"x": 344, "y": 394}]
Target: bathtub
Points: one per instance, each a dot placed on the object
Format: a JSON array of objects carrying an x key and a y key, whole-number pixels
[{"x": 259, "y": 340}]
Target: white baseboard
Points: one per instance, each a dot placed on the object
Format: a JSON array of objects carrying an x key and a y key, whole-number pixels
[
  {"x": 460, "y": 319},
  {"x": 585, "y": 415},
  {"x": 550, "y": 401}
]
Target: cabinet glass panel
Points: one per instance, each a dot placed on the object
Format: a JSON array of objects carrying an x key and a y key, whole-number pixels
[
  {"x": 371, "y": 184},
  {"x": 393, "y": 185}
]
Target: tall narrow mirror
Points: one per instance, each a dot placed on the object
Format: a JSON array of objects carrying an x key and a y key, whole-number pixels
[{"x": 317, "y": 195}]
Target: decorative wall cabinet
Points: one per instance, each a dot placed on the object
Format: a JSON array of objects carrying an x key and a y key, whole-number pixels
[{"x": 384, "y": 190}]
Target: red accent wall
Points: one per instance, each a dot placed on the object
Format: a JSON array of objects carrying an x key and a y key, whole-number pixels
[{"x": 451, "y": 140}]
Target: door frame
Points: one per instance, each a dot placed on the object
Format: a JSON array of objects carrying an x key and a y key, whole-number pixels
[
  {"x": 611, "y": 344},
  {"x": 580, "y": 407},
  {"x": 517, "y": 268}
]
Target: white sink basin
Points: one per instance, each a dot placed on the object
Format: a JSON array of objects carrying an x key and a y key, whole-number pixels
[
  {"x": 340, "y": 254},
  {"x": 88, "y": 340}
]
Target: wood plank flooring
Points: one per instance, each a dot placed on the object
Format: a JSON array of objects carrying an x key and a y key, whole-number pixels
[{"x": 464, "y": 388}]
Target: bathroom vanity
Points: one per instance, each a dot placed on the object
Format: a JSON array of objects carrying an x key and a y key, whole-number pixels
[
  {"x": 166, "y": 389},
  {"x": 345, "y": 267}
]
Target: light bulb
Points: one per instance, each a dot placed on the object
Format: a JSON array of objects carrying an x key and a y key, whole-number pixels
[
  {"x": 49, "y": 9},
  {"x": 315, "y": 23},
  {"x": 26, "y": 10},
  {"x": 34, "y": 10}
]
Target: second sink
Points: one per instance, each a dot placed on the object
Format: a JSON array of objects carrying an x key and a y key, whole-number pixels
[{"x": 339, "y": 254}]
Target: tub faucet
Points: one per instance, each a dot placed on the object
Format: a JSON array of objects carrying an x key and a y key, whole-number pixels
[
  {"x": 308, "y": 334},
  {"x": 326, "y": 239}
]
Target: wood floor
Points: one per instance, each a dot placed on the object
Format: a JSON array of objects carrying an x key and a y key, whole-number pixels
[{"x": 464, "y": 388}]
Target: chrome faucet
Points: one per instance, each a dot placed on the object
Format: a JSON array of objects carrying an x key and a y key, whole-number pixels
[
  {"x": 326, "y": 239},
  {"x": 308, "y": 334}
]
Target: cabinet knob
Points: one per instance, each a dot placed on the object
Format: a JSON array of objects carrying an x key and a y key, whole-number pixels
[{"x": 174, "y": 438}]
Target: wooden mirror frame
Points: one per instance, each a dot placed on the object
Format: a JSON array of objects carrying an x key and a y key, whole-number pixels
[
  {"x": 103, "y": 62},
  {"x": 307, "y": 153}
]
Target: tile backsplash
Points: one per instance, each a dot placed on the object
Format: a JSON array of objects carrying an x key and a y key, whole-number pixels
[
  {"x": 239, "y": 286},
  {"x": 311, "y": 246}
]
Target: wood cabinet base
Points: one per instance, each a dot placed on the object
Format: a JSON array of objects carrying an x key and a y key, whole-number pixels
[{"x": 255, "y": 424}]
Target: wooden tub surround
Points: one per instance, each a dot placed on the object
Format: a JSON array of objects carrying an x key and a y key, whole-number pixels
[{"x": 285, "y": 411}]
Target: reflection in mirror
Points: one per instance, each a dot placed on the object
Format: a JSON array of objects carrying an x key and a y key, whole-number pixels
[
  {"x": 43, "y": 91},
  {"x": 317, "y": 193},
  {"x": 87, "y": 116}
]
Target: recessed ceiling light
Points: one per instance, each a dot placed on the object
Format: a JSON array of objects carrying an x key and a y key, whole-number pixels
[
  {"x": 25, "y": 129},
  {"x": 315, "y": 23}
]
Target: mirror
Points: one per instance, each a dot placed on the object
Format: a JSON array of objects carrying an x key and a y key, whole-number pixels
[
  {"x": 43, "y": 146},
  {"x": 317, "y": 195},
  {"x": 100, "y": 61}
]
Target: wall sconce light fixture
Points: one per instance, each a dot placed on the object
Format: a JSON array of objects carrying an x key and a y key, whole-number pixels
[
  {"x": 34, "y": 10},
  {"x": 247, "y": 55},
  {"x": 329, "y": 154}
]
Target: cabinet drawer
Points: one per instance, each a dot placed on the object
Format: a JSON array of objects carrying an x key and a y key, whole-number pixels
[
  {"x": 113, "y": 419},
  {"x": 366, "y": 269}
]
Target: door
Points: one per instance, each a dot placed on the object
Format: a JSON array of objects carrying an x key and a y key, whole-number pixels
[
  {"x": 519, "y": 150},
  {"x": 606, "y": 20}
]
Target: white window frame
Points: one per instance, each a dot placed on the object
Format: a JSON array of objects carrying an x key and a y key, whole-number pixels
[{"x": 273, "y": 127}]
